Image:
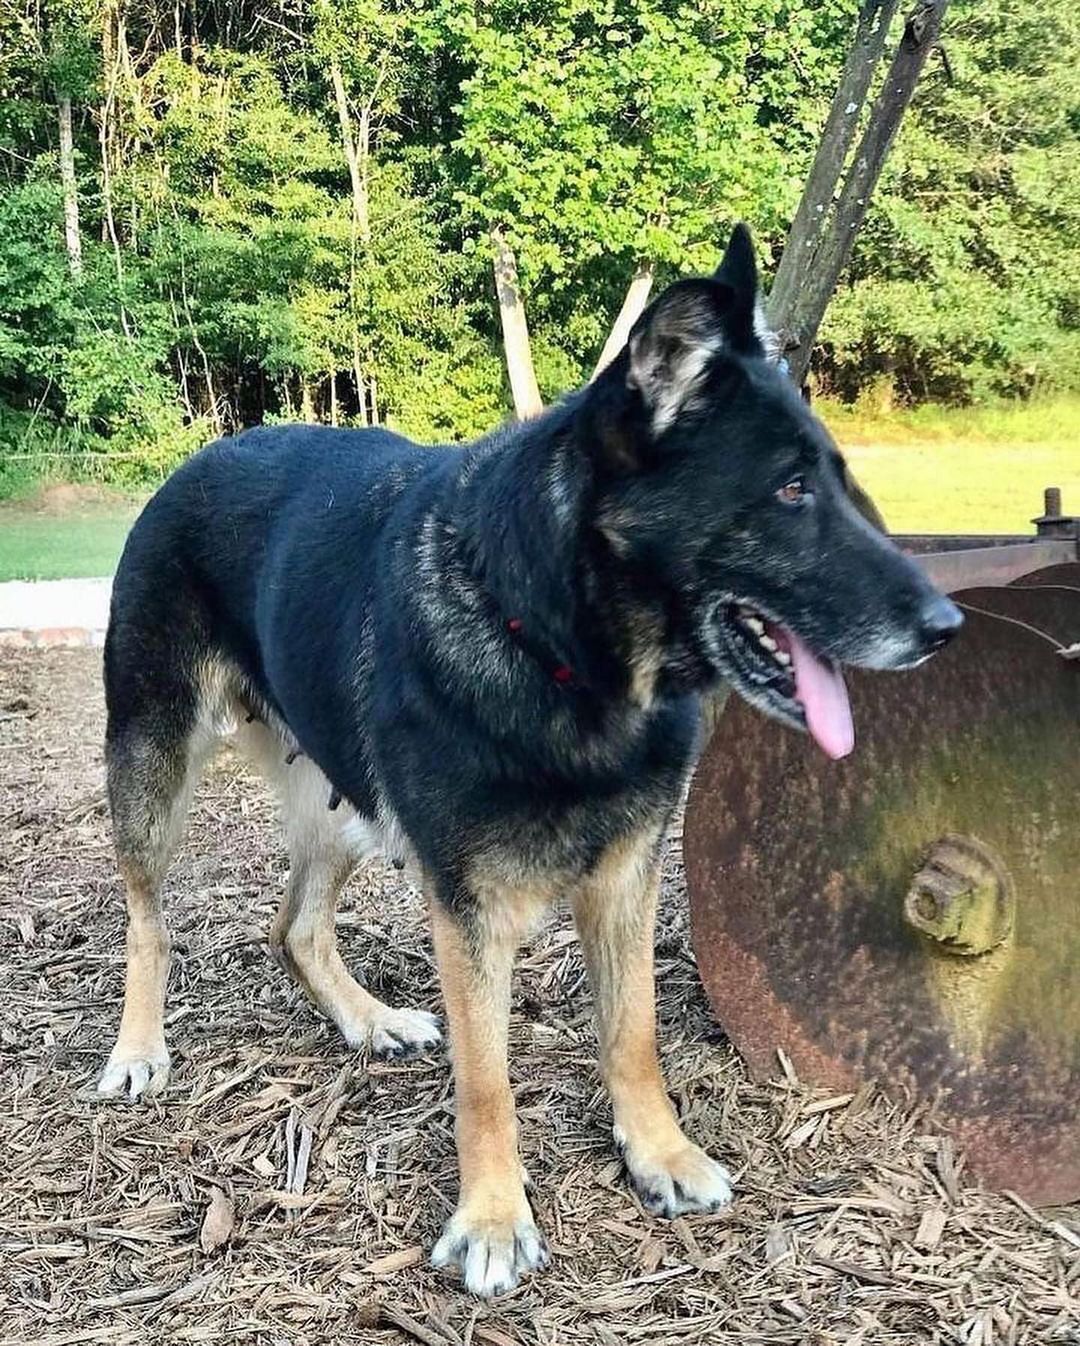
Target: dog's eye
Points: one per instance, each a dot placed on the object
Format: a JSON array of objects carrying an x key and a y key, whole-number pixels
[{"x": 794, "y": 492}]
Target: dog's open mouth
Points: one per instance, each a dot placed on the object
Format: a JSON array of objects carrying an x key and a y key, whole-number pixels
[{"x": 783, "y": 672}]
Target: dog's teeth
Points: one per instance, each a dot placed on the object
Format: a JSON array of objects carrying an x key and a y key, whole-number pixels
[
  {"x": 767, "y": 643},
  {"x": 756, "y": 625},
  {"x": 782, "y": 657}
]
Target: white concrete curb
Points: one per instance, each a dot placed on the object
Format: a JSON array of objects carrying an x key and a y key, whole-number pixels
[{"x": 54, "y": 612}]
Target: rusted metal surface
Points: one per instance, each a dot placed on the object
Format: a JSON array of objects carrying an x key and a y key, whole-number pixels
[
  {"x": 1067, "y": 574},
  {"x": 1053, "y": 522},
  {"x": 997, "y": 564},
  {"x": 1052, "y": 609},
  {"x": 920, "y": 543},
  {"x": 801, "y": 872}
]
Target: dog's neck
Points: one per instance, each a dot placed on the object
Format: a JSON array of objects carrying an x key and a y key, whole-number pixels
[
  {"x": 519, "y": 508},
  {"x": 523, "y": 511}
]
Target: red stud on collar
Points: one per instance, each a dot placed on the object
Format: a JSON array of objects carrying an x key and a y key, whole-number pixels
[{"x": 563, "y": 673}]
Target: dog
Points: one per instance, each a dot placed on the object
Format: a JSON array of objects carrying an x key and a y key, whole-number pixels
[{"x": 491, "y": 660}]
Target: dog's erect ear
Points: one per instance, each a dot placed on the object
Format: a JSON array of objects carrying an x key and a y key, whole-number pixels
[
  {"x": 672, "y": 343},
  {"x": 746, "y": 328}
]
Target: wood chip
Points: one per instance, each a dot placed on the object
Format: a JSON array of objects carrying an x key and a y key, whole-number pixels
[
  {"x": 218, "y": 1222},
  {"x": 779, "y": 1244},
  {"x": 492, "y": 1336},
  {"x": 931, "y": 1228},
  {"x": 391, "y": 1262},
  {"x": 862, "y": 1273},
  {"x": 341, "y": 1171}
]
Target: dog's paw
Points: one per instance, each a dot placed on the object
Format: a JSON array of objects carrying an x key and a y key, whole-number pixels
[
  {"x": 140, "y": 1072},
  {"x": 402, "y": 1033},
  {"x": 492, "y": 1254},
  {"x": 680, "y": 1182}
]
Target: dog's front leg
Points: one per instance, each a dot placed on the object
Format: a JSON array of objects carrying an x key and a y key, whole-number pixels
[
  {"x": 615, "y": 913},
  {"x": 492, "y": 1236}
]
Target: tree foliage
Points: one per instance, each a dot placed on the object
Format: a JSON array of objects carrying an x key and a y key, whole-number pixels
[
  {"x": 966, "y": 281},
  {"x": 286, "y": 208}
]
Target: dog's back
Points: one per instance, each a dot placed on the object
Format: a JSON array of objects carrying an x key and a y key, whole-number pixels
[
  {"x": 224, "y": 532},
  {"x": 249, "y": 564}
]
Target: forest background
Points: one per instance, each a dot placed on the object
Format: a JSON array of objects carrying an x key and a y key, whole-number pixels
[{"x": 218, "y": 214}]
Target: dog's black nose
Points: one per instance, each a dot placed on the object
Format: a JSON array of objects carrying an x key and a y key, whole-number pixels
[{"x": 939, "y": 621}]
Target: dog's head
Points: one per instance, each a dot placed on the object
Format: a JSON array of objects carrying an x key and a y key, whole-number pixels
[{"x": 722, "y": 491}]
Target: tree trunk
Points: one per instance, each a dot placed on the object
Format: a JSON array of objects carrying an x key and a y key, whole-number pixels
[
  {"x": 70, "y": 186},
  {"x": 356, "y": 157},
  {"x": 333, "y": 400},
  {"x": 920, "y": 33},
  {"x": 359, "y": 381},
  {"x": 113, "y": 50},
  {"x": 363, "y": 166},
  {"x": 637, "y": 296},
  {"x": 208, "y": 374},
  {"x": 185, "y": 387},
  {"x": 815, "y": 206},
  {"x": 519, "y": 365},
  {"x": 352, "y": 157},
  {"x": 108, "y": 62}
]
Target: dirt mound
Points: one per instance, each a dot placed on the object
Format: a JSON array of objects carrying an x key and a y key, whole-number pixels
[{"x": 68, "y": 497}]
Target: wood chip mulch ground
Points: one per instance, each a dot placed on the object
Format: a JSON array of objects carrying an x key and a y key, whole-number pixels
[{"x": 287, "y": 1191}]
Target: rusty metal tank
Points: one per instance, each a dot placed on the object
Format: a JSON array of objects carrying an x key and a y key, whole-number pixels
[{"x": 911, "y": 914}]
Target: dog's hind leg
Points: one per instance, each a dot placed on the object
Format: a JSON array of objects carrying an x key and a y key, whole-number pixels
[
  {"x": 324, "y": 847},
  {"x": 615, "y": 911},
  {"x": 160, "y": 734}
]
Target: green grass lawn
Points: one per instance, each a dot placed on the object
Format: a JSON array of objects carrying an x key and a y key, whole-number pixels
[
  {"x": 42, "y": 538},
  {"x": 930, "y": 470},
  {"x": 961, "y": 488},
  {"x": 950, "y": 470}
]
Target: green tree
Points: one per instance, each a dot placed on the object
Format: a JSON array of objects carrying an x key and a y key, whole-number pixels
[
  {"x": 966, "y": 280},
  {"x": 289, "y": 209}
]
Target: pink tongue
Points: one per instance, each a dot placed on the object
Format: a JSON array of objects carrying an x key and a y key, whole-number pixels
[{"x": 819, "y": 686}]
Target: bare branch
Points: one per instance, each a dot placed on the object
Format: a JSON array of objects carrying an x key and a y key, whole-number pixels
[
  {"x": 352, "y": 155},
  {"x": 637, "y": 296},
  {"x": 813, "y": 213},
  {"x": 808, "y": 306},
  {"x": 519, "y": 365}
]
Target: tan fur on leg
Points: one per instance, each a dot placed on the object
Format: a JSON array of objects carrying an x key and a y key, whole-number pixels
[
  {"x": 615, "y": 911},
  {"x": 151, "y": 778},
  {"x": 139, "y": 1062},
  {"x": 491, "y": 1236}
]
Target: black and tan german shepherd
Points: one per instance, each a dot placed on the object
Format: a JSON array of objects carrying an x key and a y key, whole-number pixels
[{"x": 491, "y": 659}]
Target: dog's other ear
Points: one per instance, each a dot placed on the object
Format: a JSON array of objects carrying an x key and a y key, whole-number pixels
[
  {"x": 746, "y": 328},
  {"x": 672, "y": 343},
  {"x": 862, "y": 501}
]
